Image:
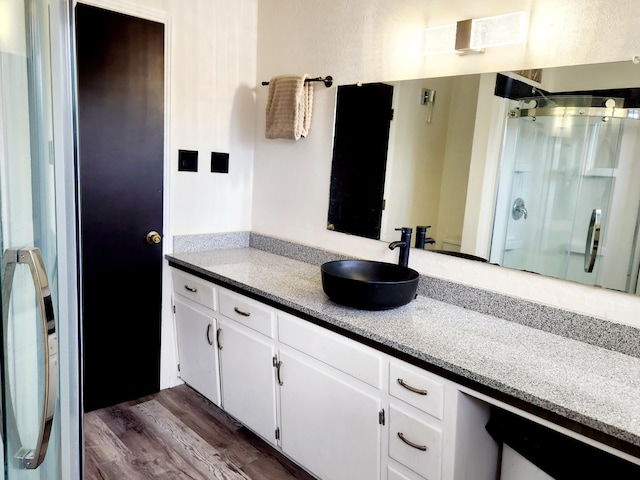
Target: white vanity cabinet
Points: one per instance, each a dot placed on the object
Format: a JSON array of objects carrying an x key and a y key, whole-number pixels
[
  {"x": 330, "y": 401},
  {"x": 321, "y": 398},
  {"x": 340, "y": 409},
  {"x": 247, "y": 350},
  {"x": 194, "y": 305}
]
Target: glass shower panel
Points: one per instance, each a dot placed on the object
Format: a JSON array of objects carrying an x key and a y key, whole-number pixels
[
  {"x": 556, "y": 168},
  {"x": 620, "y": 258},
  {"x": 597, "y": 185},
  {"x": 545, "y": 179},
  {"x": 27, "y": 200}
]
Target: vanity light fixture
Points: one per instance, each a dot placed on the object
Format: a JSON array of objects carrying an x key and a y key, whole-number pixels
[
  {"x": 474, "y": 35},
  {"x": 439, "y": 39}
]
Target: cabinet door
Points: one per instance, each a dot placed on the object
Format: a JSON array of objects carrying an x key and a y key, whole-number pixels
[
  {"x": 328, "y": 424},
  {"x": 196, "y": 350},
  {"x": 248, "y": 378}
]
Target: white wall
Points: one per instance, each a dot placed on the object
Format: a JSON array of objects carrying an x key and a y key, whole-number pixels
[
  {"x": 212, "y": 109},
  {"x": 373, "y": 40},
  {"x": 462, "y": 119}
]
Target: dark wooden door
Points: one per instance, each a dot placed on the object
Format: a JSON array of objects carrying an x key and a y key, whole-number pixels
[
  {"x": 363, "y": 118},
  {"x": 120, "y": 61}
]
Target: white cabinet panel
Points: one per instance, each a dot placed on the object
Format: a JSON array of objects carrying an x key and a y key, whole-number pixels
[
  {"x": 420, "y": 447},
  {"x": 248, "y": 312},
  {"x": 197, "y": 350},
  {"x": 328, "y": 425},
  {"x": 194, "y": 288},
  {"x": 335, "y": 350},
  {"x": 248, "y": 378},
  {"x": 417, "y": 388}
]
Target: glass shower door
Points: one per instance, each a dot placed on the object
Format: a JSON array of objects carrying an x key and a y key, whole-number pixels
[
  {"x": 31, "y": 422},
  {"x": 556, "y": 181}
]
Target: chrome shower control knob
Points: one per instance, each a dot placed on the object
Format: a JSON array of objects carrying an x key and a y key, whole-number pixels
[{"x": 518, "y": 210}]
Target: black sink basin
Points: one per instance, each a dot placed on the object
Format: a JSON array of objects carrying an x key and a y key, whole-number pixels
[{"x": 369, "y": 285}]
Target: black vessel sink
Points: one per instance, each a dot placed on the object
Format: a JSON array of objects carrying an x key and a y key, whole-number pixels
[{"x": 369, "y": 285}]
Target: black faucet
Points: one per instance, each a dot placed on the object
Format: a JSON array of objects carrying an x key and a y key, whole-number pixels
[
  {"x": 404, "y": 244},
  {"x": 421, "y": 238}
]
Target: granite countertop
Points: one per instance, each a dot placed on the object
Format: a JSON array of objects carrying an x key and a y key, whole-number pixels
[{"x": 586, "y": 385}]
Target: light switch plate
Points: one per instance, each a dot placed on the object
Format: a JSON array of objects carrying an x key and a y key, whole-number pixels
[
  {"x": 219, "y": 162},
  {"x": 187, "y": 161}
]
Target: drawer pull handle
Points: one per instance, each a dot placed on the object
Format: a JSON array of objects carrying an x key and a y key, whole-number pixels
[
  {"x": 240, "y": 312},
  {"x": 412, "y": 389},
  {"x": 218, "y": 338},
  {"x": 191, "y": 289},
  {"x": 209, "y": 339},
  {"x": 422, "y": 448}
]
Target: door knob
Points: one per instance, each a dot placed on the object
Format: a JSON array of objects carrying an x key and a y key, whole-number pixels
[{"x": 153, "y": 237}]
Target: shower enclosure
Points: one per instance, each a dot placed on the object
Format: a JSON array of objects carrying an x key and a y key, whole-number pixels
[{"x": 567, "y": 163}]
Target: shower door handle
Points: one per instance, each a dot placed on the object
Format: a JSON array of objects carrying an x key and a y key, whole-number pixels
[
  {"x": 593, "y": 240},
  {"x": 26, "y": 458}
]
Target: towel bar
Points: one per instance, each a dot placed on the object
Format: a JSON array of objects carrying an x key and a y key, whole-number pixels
[{"x": 328, "y": 80}]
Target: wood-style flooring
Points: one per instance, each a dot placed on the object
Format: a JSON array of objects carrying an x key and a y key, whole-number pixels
[{"x": 177, "y": 434}]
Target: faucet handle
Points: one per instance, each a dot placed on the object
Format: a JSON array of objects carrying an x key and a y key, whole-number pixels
[{"x": 404, "y": 229}]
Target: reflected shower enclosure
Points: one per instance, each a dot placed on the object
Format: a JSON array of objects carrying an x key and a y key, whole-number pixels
[{"x": 567, "y": 163}]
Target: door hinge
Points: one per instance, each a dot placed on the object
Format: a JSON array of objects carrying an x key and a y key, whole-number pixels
[
  {"x": 178, "y": 368},
  {"x": 278, "y": 433},
  {"x": 392, "y": 113},
  {"x": 381, "y": 417},
  {"x": 174, "y": 309}
]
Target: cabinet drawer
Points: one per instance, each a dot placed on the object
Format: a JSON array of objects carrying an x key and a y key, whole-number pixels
[
  {"x": 393, "y": 474},
  {"x": 250, "y": 313},
  {"x": 332, "y": 349},
  {"x": 416, "y": 387},
  {"x": 194, "y": 288},
  {"x": 421, "y": 449}
]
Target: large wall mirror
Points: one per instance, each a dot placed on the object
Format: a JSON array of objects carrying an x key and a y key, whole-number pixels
[{"x": 537, "y": 171}]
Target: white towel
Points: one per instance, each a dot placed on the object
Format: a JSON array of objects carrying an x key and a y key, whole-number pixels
[{"x": 289, "y": 107}]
